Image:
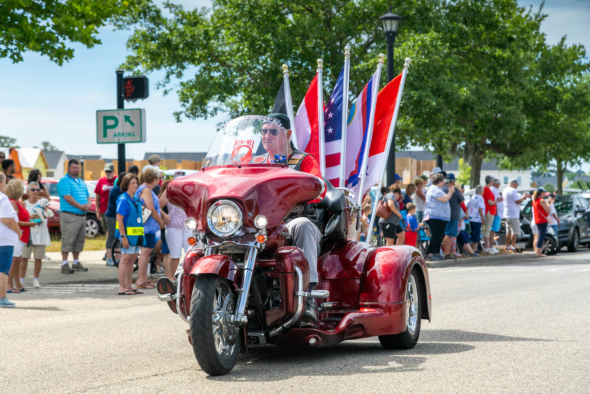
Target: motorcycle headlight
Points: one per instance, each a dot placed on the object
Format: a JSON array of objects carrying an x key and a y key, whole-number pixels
[
  {"x": 224, "y": 218},
  {"x": 190, "y": 224}
]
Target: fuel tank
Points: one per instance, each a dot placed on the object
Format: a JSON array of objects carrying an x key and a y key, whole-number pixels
[{"x": 271, "y": 190}]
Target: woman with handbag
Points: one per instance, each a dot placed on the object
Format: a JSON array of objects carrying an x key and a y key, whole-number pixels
[
  {"x": 153, "y": 219},
  {"x": 129, "y": 229},
  {"x": 390, "y": 216},
  {"x": 15, "y": 191}
]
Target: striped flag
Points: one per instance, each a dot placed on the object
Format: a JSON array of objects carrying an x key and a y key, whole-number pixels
[
  {"x": 306, "y": 122},
  {"x": 333, "y": 131},
  {"x": 356, "y": 139}
]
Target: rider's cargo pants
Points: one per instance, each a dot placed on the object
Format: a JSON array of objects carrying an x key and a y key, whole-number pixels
[{"x": 306, "y": 236}]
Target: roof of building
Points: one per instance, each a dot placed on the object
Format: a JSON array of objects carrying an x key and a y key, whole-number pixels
[
  {"x": 53, "y": 157},
  {"x": 422, "y": 155},
  {"x": 28, "y": 156},
  {"x": 108, "y": 161},
  {"x": 178, "y": 156},
  {"x": 85, "y": 157}
]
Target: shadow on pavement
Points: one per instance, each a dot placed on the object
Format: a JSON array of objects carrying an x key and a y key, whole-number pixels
[
  {"x": 270, "y": 363},
  {"x": 466, "y": 336}
]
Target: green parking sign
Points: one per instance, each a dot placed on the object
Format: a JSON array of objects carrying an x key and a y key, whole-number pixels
[{"x": 120, "y": 126}]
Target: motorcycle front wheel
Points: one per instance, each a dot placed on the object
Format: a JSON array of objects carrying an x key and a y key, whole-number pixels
[{"x": 216, "y": 340}]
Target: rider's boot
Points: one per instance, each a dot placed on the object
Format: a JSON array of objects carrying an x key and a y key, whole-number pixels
[{"x": 310, "y": 316}]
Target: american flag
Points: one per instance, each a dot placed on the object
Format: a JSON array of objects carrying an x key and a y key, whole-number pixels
[{"x": 333, "y": 131}]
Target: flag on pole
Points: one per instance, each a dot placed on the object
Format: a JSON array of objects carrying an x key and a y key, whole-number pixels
[
  {"x": 384, "y": 110},
  {"x": 333, "y": 131},
  {"x": 356, "y": 138},
  {"x": 306, "y": 122},
  {"x": 280, "y": 106}
]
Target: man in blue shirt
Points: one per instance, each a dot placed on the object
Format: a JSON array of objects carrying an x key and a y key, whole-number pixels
[{"x": 74, "y": 201}]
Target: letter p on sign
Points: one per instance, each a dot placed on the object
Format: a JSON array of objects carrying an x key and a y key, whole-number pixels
[{"x": 106, "y": 126}]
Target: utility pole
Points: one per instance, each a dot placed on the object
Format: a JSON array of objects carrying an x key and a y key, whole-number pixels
[{"x": 120, "y": 105}]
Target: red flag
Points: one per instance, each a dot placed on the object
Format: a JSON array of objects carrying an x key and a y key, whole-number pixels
[{"x": 306, "y": 122}]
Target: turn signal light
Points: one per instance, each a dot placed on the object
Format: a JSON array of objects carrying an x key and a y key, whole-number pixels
[
  {"x": 191, "y": 240},
  {"x": 261, "y": 238}
]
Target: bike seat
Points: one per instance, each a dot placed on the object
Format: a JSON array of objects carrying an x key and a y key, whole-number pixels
[{"x": 334, "y": 200}]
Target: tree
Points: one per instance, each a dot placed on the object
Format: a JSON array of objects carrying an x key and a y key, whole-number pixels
[
  {"x": 549, "y": 188},
  {"x": 8, "y": 142},
  {"x": 228, "y": 58},
  {"x": 472, "y": 62},
  {"x": 558, "y": 111},
  {"x": 464, "y": 173},
  {"x": 48, "y": 27},
  {"x": 47, "y": 146}
]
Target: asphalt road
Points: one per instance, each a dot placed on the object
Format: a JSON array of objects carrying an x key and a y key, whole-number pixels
[{"x": 513, "y": 328}]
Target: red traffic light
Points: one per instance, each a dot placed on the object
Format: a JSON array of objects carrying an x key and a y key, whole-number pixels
[{"x": 135, "y": 88}]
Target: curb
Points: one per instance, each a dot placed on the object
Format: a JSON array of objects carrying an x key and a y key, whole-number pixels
[
  {"x": 153, "y": 277},
  {"x": 488, "y": 260}
]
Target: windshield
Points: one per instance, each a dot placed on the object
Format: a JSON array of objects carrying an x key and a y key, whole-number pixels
[
  {"x": 249, "y": 139},
  {"x": 563, "y": 205}
]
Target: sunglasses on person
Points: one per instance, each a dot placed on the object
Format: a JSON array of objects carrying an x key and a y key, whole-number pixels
[
  {"x": 107, "y": 171},
  {"x": 273, "y": 132},
  {"x": 35, "y": 190},
  {"x": 2, "y": 157}
]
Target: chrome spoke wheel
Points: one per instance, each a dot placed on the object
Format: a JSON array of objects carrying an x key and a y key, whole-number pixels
[
  {"x": 412, "y": 304},
  {"x": 225, "y": 333}
]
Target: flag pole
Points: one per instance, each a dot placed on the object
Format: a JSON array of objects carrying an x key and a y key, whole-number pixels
[
  {"x": 370, "y": 129},
  {"x": 344, "y": 116},
  {"x": 289, "y": 105},
  {"x": 390, "y": 136},
  {"x": 321, "y": 117}
]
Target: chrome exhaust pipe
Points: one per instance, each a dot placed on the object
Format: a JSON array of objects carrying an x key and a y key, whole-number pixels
[{"x": 279, "y": 330}]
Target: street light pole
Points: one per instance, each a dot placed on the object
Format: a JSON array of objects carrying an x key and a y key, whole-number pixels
[
  {"x": 121, "y": 160},
  {"x": 390, "y": 25}
]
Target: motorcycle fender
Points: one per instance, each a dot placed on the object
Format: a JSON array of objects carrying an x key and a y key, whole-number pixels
[
  {"x": 386, "y": 274},
  {"x": 218, "y": 264}
]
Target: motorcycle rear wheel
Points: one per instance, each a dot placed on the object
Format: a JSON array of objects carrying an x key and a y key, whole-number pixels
[
  {"x": 216, "y": 342},
  {"x": 408, "y": 338}
]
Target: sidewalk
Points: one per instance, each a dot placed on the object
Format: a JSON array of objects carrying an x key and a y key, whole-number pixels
[
  {"x": 500, "y": 259},
  {"x": 98, "y": 271}
]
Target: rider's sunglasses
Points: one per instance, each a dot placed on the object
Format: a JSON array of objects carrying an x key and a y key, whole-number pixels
[{"x": 273, "y": 132}]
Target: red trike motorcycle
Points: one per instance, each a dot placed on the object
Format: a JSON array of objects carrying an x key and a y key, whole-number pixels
[{"x": 244, "y": 284}]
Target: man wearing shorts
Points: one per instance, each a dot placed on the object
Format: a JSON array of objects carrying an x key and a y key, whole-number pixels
[
  {"x": 452, "y": 228},
  {"x": 74, "y": 201},
  {"x": 491, "y": 212},
  {"x": 512, "y": 201}
]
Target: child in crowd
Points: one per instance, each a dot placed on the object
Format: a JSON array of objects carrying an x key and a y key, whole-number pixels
[
  {"x": 476, "y": 209},
  {"x": 365, "y": 221},
  {"x": 412, "y": 226}
]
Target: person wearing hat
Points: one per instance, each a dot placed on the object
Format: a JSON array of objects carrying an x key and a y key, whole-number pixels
[
  {"x": 101, "y": 191},
  {"x": 541, "y": 211},
  {"x": 512, "y": 201},
  {"x": 452, "y": 227},
  {"x": 302, "y": 226},
  {"x": 154, "y": 161}
]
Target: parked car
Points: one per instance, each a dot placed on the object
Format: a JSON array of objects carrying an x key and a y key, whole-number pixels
[
  {"x": 551, "y": 244},
  {"x": 574, "y": 215},
  {"x": 93, "y": 227}
]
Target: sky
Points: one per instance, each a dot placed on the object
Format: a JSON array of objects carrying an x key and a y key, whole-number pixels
[{"x": 41, "y": 101}]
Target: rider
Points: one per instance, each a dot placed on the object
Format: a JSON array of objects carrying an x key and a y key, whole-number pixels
[{"x": 302, "y": 224}]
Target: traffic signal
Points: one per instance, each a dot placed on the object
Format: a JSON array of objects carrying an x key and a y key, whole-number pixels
[{"x": 135, "y": 88}]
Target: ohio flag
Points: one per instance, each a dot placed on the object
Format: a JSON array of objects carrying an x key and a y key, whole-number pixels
[{"x": 333, "y": 131}]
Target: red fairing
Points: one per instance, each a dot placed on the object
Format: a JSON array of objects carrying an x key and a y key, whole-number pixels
[
  {"x": 270, "y": 190},
  {"x": 191, "y": 258}
]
